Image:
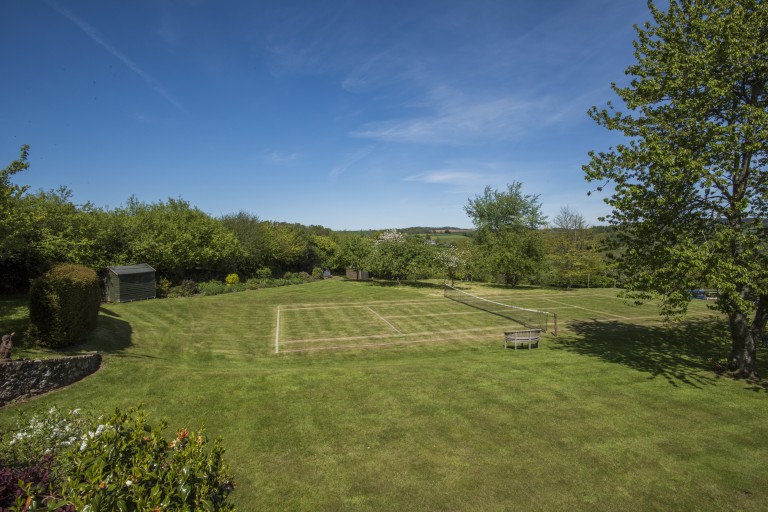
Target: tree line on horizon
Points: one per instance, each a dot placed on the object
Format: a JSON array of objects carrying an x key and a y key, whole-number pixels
[{"x": 40, "y": 229}]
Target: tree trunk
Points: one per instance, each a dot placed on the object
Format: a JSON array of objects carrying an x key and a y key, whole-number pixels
[{"x": 743, "y": 345}]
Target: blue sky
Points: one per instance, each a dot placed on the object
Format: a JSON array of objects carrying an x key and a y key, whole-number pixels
[{"x": 348, "y": 114}]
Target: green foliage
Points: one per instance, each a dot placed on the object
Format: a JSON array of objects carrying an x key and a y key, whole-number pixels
[
  {"x": 64, "y": 305},
  {"x": 52, "y": 431},
  {"x": 14, "y": 220},
  {"x": 317, "y": 273},
  {"x": 126, "y": 464},
  {"x": 163, "y": 287},
  {"x": 452, "y": 262},
  {"x": 572, "y": 251},
  {"x": 508, "y": 242},
  {"x": 212, "y": 287},
  {"x": 690, "y": 199},
  {"x": 397, "y": 256},
  {"x": 276, "y": 245},
  {"x": 325, "y": 252},
  {"x": 232, "y": 279},
  {"x": 119, "y": 462},
  {"x": 187, "y": 288},
  {"x": 496, "y": 211},
  {"x": 353, "y": 252},
  {"x": 10, "y": 194},
  {"x": 178, "y": 240},
  {"x": 263, "y": 273}
]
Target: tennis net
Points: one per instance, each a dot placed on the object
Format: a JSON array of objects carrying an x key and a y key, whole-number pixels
[{"x": 530, "y": 318}]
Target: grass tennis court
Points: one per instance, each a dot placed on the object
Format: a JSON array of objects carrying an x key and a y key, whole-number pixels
[
  {"x": 344, "y": 325},
  {"x": 336, "y": 326},
  {"x": 619, "y": 411}
]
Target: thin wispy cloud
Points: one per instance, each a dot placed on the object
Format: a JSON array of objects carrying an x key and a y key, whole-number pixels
[
  {"x": 457, "y": 121},
  {"x": 447, "y": 177},
  {"x": 350, "y": 161},
  {"x": 278, "y": 158},
  {"x": 99, "y": 39}
]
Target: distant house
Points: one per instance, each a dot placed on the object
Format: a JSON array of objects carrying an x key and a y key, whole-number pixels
[
  {"x": 357, "y": 275},
  {"x": 131, "y": 282}
]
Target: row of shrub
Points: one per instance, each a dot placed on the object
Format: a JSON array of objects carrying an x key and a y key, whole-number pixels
[
  {"x": 64, "y": 302},
  {"x": 58, "y": 461},
  {"x": 232, "y": 283}
]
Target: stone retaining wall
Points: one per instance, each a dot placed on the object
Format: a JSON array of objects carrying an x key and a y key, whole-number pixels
[{"x": 26, "y": 378}]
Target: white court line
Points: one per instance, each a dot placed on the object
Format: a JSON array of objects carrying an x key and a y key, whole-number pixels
[
  {"x": 445, "y": 339},
  {"x": 384, "y": 320},
  {"x": 585, "y": 309},
  {"x": 302, "y": 307},
  {"x": 277, "y": 332},
  {"x": 389, "y": 336}
]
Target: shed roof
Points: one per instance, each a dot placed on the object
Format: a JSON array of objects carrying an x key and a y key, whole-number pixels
[{"x": 125, "y": 270}]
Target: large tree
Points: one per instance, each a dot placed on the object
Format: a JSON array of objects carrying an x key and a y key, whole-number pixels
[
  {"x": 508, "y": 239},
  {"x": 690, "y": 186}
]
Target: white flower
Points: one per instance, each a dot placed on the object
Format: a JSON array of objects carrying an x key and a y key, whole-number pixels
[{"x": 128, "y": 483}]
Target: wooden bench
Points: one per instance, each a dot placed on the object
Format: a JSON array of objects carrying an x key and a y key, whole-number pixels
[{"x": 528, "y": 336}]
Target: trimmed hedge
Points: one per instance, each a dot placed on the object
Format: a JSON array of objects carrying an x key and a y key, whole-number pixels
[{"x": 64, "y": 305}]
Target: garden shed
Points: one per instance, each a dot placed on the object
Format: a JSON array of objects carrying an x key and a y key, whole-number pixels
[
  {"x": 130, "y": 282},
  {"x": 357, "y": 275}
]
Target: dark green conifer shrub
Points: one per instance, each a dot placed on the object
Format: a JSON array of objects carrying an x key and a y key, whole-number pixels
[{"x": 64, "y": 305}]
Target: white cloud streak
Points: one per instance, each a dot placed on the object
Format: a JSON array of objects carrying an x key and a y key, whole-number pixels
[
  {"x": 278, "y": 158},
  {"x": 98, "y": 39},
  {"x": 447, "y": 177},
  {"x": 457, "y": 120},
  {"x": 351, "y": 160}
]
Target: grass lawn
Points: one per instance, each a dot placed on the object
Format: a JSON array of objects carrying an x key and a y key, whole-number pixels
[{"x": 423, "y": 409}]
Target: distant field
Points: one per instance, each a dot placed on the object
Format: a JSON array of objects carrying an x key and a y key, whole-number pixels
[{"x": 408, "y": 401}]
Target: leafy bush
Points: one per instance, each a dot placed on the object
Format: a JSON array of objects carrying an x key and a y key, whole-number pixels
[
  {"x": 212, "y": 287},
  {"x": 263, "y": 273},
  {"x": 43, "y": 433},
  {"x": 187, "y": 288},
  {"x": 64, "y": 305},
  {"x": 232, "y": 279},
  {"x": 317, "y": 273},
  {"x": 126, "y": 464},
  {"x": 118, "y": 462},
  {"x": 254, "y": 284},
  {"x": 163, "y": 287},
  {"x": 28, "y": 454},
  {"x": 17, "y": 485}
]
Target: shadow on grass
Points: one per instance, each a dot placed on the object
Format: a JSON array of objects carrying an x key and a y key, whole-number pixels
[
  {"x": 680, "y": 353},
  {"x": 14, "y": 316},
  {"x": 112, "y": 334}
]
